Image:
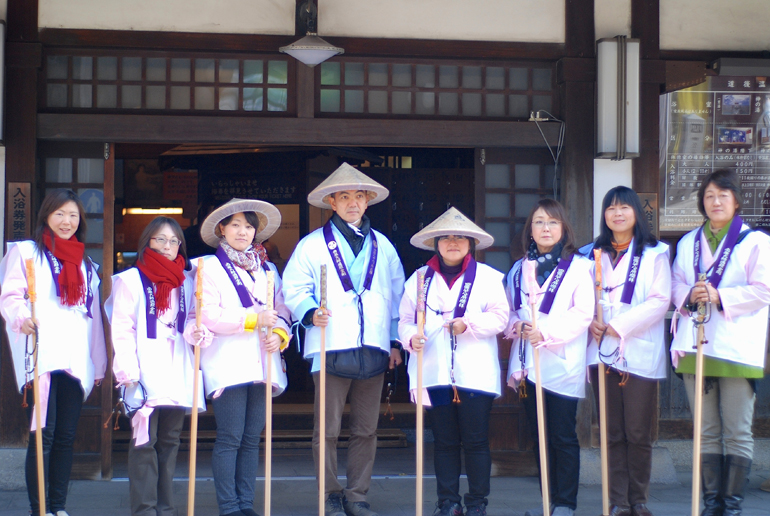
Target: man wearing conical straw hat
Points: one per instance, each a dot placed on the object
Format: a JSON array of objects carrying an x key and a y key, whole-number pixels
[
  {"x": 465, "y": 308},
  {"x": 364, "y": 286}
]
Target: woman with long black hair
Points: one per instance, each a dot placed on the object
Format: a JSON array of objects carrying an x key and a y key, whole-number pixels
[
  {"x": 636, "y": 290},
  {"x": 153, "y": 363},
  {"x": 71, "y": 356}
]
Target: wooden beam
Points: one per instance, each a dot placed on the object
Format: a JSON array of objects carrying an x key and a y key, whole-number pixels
[
  {"x": 295, "y": 131},
  {"x": 580, "y": 29},
  {"x": 645, "y": 25},
  {"x": 255, "y": 43}
]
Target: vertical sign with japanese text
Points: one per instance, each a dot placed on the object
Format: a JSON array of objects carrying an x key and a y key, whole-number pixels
[
  {"x": 650, "y": 210},
  {"x": 18, "y": 212}
]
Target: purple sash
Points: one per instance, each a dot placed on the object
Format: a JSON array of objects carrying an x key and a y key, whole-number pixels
[
  {"x": 55, "y": 266},
  {"x": 465, "y": 292},
  {"x": 631, "y": 275},
  {"x": 718, "y": 268},
  {"x": 339, "y": 263},
  {"x": 240, "y": 288},
  {"x": 550, "y": 293},
  {"x": 152, "y": 316}
]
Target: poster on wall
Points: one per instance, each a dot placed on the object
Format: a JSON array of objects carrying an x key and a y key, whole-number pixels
[{"x": 722, "y": 123}]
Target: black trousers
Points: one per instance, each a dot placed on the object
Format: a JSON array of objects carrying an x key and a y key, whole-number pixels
[
  {"x": 65, "y": 401},
  {"x": 563, "y": 445},
  {"x": 465, "y": 426}
]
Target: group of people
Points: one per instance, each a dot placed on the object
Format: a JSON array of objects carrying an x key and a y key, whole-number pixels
[{"x": 365, "y": 312}]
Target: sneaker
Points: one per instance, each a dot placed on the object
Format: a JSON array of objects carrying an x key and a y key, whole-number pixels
[
  {"x": 476, "y": 510},
  {"x": 358, "y": 509},
  {"x": 333, "y": 505},
  {"x": 249, "y": 512},
  {"x": 563, "y": 511},
  {"x": 447, "y": 508},
  {"x": 536, "y": 512}
]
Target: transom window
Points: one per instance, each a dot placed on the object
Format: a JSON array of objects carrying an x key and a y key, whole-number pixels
[
  {"x": 169, "y": 82},
  {"x": 419, "y": 89}
]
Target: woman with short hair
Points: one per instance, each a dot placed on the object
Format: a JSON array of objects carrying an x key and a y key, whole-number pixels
[
  {"x": 465, "y": 310},
  {"x": 734, "y": 259},
  {"x": 71, "y": 357},
  {"x": 153, "y": 363},
  {"x": 562, "y": 294},
  {"x": 234, "y": 358}
]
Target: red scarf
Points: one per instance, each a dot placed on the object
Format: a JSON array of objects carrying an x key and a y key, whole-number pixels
[
  {"x": 165, "y": 274},
  {"x": 70, "y": 253}
]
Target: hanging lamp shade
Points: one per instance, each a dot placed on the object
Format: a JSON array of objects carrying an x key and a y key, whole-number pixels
[{"x": 311, "y": 50}]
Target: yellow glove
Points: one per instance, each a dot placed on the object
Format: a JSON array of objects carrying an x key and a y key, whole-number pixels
[
  {"x": 251, "y": 322},
  {"x": 284, "y": 337}
]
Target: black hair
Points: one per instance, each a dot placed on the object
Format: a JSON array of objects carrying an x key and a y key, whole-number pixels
[
  {"x": 642, "y": 233},
  {"x": 724, "y": 179},
  {"x": 555, "y": 210},
  {"x": 251, "y": 218},
  {"x": 52, "y": 202},
  {"x": 152, "y": 228},
  {"x": 471, "y": 241}
]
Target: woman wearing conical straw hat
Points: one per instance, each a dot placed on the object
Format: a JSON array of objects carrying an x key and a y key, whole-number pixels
[
  {"x": 465, "y": 309},
  {"x": 153, "y": 363},
  {"x": 562, "y": 286},
  {"x": 71, "y": 355},
  {"x": 364, "y": 285},
  {"x": 234, "y": 353}
]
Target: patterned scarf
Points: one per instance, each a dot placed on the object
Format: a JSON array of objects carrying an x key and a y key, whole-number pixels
[
  {"x": 546, "y": 262},
  {"x": 249, "y": 260}
]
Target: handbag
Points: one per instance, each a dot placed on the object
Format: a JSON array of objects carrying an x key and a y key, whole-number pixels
[{"x": 359, "y": 363}]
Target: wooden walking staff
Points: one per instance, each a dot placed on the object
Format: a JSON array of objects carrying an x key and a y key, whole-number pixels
[
  {"x": 698, "y": 412},
  {"x": 602, "y": 392},
  {"x": 30, "y": 264},
  {"x": 269, "y": 399},
  {"x": 545, "y": 487},
  {"x": 322, "y": 405},
  {"x": 196, "y": 386},
  {"x": 420, "y": 426}
]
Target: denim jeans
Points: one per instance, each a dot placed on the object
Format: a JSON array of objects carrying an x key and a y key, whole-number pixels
[
  {"x": 65, "y": 401},
  {"x": 240, "y": 417},
  {"x": 462, "y": 426},
  {"x": 563, "y": 445}
]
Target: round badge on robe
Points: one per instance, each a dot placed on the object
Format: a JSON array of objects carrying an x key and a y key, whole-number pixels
[{"x": 332, "y": 245}]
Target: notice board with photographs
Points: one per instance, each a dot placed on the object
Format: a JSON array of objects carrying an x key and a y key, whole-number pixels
[{"x": 722, "y": 123}]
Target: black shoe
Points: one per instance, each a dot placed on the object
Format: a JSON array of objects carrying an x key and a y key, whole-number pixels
[
  {"x": 249, "y": 512},
  {"x": 333, "y": 505},
  {"x": 734, "y": 480},
  {"x": 711, "y": 484},
  {"x": 447, "y": 508},
  {"x": 476, "y": 510}
]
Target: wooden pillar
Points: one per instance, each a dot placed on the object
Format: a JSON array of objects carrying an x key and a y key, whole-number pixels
[
  {"x": 576, "y": 78},
  {"x": 23, "y": 61},
  {"x": 645, "y": 25}
]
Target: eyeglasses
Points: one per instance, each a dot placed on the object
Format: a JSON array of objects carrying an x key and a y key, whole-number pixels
[
  {"x": 540, "y": 224},
  {"x": 174, "y": 242},
  {"x": 452, "y": 238}
]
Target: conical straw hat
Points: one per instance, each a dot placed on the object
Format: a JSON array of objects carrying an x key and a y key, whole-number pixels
[
  {"x": 346, "y": 178},
  {"x": 452, "y": 222},
  {"x": 268, "y": 215}
]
